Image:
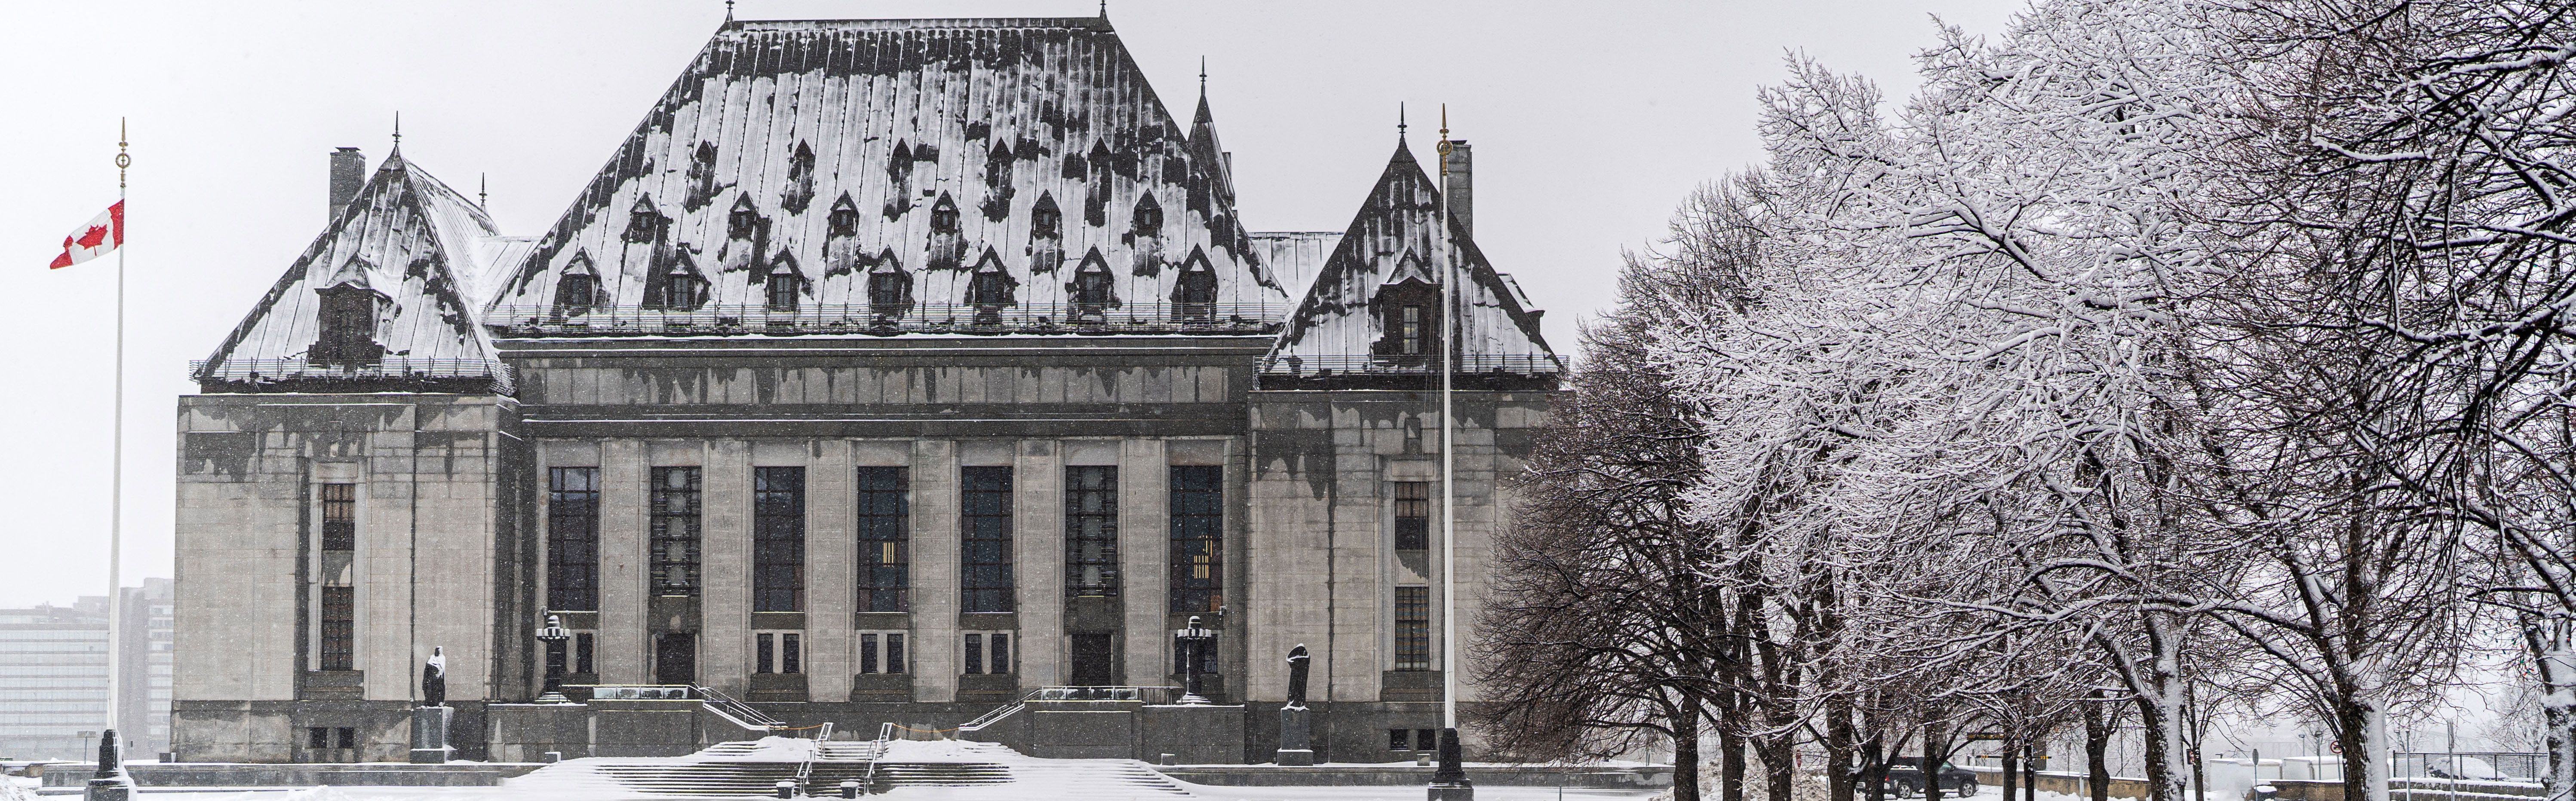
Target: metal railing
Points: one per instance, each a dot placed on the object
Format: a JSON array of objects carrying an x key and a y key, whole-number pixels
[
  {"x": 1424, "y": 364},
  {"x": 886, "y": 319},
  {"x": 737, "y": 712},
  {"x": 1149, "y": 695},
  {"x": 637, "y": 692},
  {"x": 402, "y": 370},
  {"x": 868, "y": 781},
  {"x": 2469, "y": 765}
]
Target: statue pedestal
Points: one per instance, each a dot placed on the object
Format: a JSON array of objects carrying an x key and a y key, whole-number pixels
[
  {"x": 429, "y": 735},
  {"x": 116, "y": 789},
  {"x": 1296, "y": 737}
]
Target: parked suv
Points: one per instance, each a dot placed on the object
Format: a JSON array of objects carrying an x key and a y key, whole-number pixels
[{"x": 1905, "y": 778}]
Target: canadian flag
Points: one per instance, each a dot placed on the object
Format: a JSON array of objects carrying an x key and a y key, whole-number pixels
[{"x": 101, "y": 235}]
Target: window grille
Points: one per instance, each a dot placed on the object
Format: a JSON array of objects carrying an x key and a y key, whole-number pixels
[
  {"x": 572, "y": 539},
  {"x": 986, "y": 518},
  {"x": 1091, "y": 531},
  {"x": 339, "y": 517},
  {"x": 885, "y": 540},
  {"x": 1412, "y": 515},
  {"x": 339, "y": 628},
  {"x": 1413, "y": 628},
  {"x": 778, "y": 539},
  {"x": 1198, "y": 539},
  {"x": 675, "y": 529}
]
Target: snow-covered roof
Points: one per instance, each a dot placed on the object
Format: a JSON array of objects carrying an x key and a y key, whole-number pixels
[
  {"x": 899, "y": 125},
  {"x": 409, "y": 239},
  {"x": 1389, "y": 242},
  {"x": 1295, "y": 256}
]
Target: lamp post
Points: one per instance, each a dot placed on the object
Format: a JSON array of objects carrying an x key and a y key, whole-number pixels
[
  {"x": 553, "y": 636},
  {"x": 1193, "y": 640}
]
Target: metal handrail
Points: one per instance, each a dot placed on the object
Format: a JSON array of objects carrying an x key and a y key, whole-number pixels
[
  {"x": 387, "y": 368},
  {"x": 524, "y": 320},
  {"x": 1419, "y": 364},
  {"x": 1070, "y": 693},
  {"x": 735, "y": 711},
  {"x": 805, "y": 770},
  {"x": 868, "y": 782}
]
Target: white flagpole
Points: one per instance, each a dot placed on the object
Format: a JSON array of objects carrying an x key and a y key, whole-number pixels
[
  {"x": 1448, "y": 488},
  {"x": 116, "y": 461}
]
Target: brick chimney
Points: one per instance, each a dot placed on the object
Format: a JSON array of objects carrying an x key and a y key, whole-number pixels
[
  {"x": 348, "y": 174},
  {"x": 1461, "y": 191}
]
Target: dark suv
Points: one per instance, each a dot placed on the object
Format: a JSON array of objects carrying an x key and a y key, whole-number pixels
[{"x": 1905, "y": 778}]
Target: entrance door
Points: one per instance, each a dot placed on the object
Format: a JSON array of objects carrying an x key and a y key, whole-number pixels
[
  {"x": 1093, "y": 659},
  {"x": 675, "y": 658}
]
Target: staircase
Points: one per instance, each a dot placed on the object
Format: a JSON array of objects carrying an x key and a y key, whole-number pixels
[{"x": 970, "y": 770}]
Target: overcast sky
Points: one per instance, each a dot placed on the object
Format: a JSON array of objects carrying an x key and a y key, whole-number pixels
[{"x": 1590, "y": 121}]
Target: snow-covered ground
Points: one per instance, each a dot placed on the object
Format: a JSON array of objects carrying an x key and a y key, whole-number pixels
[{"x": 1011, "y": 792}]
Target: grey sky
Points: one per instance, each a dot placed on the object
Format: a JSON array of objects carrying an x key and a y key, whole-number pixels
[{"x": 1590, "y": 122}]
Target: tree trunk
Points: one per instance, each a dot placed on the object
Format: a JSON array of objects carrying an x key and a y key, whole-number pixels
[
  {"x": 1936, "y": 747},
  {"x": 2012, "y": 767},
  {"x": 1730, "y": 765},
  {"x": 2363, "y": 734},
  {"x": 1779, "y": 765},
  {"x": 2163, "y": 708},
  {"x": 2099, "y": 717},
  {"x": 2554, "y": 657},
  {"x": 2029, "y": 772},
  {"x": 1874, "y": 763},
  {"x": 1686, "y": 750},
  {"x": 1838, "y": 750}
]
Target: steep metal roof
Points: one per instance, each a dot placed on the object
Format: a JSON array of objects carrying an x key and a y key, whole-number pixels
[
  {"x": 409, "y": 239},
  {"x": 831, "y": 149},
  {"x": 1391, "y": 240}
]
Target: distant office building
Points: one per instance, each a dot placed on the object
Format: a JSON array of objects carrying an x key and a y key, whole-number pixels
[{"x": 53, "y": 675}]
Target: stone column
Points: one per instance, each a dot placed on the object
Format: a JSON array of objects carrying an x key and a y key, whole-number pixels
[
  {"x": 935, "y": 546},
  {"x": 624, "y": 507},
  {"x": 724, "y": 600},
  {"x": 1144, "y": 553},
  {"x": 1037, "y": 545},
  {"x": 387, "y": 536},
  {"x": 831, "y": 571}
]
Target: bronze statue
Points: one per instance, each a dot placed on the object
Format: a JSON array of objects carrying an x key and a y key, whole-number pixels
[
  {"x": 433, "y": 678},
  {"x": 1297, "y": 676}
]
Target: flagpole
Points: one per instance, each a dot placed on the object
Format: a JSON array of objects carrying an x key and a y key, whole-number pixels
[
  {"x": 1449, "y": 782},
  {"x": 116, "y": 461}
]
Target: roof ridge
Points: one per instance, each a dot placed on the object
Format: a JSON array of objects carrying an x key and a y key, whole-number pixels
[{"x": 916, "y": 23}]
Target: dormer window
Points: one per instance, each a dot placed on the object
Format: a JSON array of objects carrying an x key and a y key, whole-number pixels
[
  {"x": 1090, "y": 290},
  {"x": 744, "y": 221},
  {"x": 682, "y": 289},
  {"x": 1046, "y": 221},
  {"x": 1149, "y": 217},
  {"x": 844, "y": 220},
  {"x": 990, "y": 288},
  {"x": 576, "y": 292},
  {"x": 943, "y": 217},
  {"x": 889, "y": 288},
  {"x": 643, "y": 223},
  {"x": 348, "y": 323},
  {"x": 1198, "y": 292},
  {"x": 784, "y": 288},
  {"x": 1410, "y": 319}
]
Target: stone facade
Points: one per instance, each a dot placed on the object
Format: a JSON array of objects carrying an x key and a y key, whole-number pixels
[{"x": 340, "y": 515}]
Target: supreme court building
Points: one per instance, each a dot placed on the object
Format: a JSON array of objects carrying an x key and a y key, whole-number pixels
[{"x": 888, "y": 371}]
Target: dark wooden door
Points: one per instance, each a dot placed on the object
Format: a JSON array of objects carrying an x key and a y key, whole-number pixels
[
  {"x": 675, "y": 658},
  {"x": 1094, "y": 658}
]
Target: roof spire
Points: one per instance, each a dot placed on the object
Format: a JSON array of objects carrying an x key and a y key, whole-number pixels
[
  {"x": 397, "y": 130},
  {"x": 1203, "y": 76},
  {"x": 728, "y": 10},
  {"x": 1399, "y": 119},
  {"x": 482, "y": 190},
  {"x": 1104, "y": 9}
]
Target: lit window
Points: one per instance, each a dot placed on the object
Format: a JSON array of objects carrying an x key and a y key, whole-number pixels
[
  {"x": 675, "y": 527},
  {"x": 1091, "y": 531},
  {"x": 885, "y": 539},
  {"x": 1198, "y": 537},
  {"x": 1413, "y": 628}
]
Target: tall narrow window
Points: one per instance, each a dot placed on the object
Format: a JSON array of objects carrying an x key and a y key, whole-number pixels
[
  {"x": 791, "y": 653},
  {"x": 894, "y": 653},
  {"x": 1091, "y": 531},
  {"x": 986, "y": 519},
  {"x": 584, "y": 646},
  {"x": 885, "y": 540},
  {"x": 1198, "y": 293},
  {"x": 572, "y": 539},
  {"x": 1413, "y": 628},
  {"x": 1001, "y": 653},
  {"x": 763, "y": 647},
  {"x": 868, "y": 653},
  {"x": 1412, "y": 330},
  {"x": 1412, "y": 515},
  {"x": 339, "y": 628},
  {"x": 339, "y": 517},
  {"x": 974, "y": 654},
  {"x": 778, "y": 539},
  {"x": 1091, "y": 289},
  {"x": 1198, "y": 537},
  {"x": 675, "y": 523}
]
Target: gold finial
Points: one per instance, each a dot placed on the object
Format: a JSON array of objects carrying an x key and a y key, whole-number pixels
[{"x": 1444, "y": 139}]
